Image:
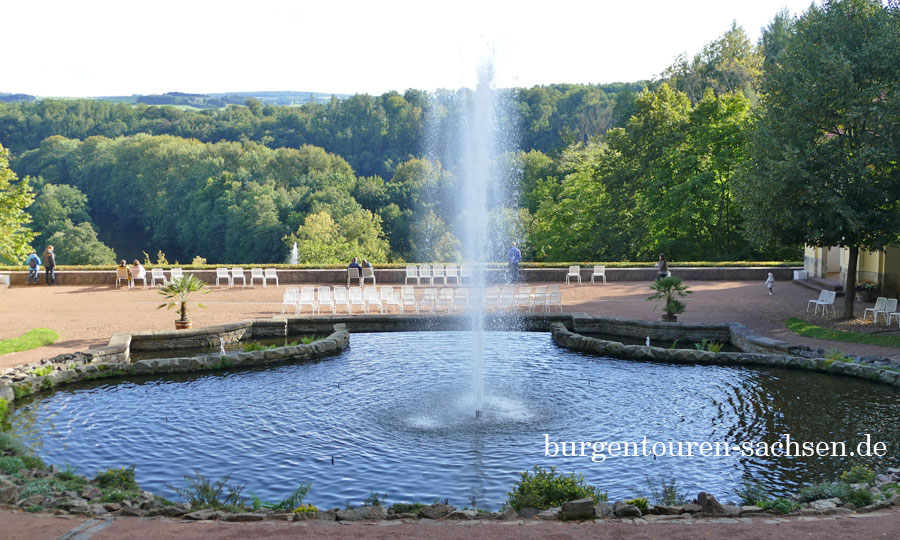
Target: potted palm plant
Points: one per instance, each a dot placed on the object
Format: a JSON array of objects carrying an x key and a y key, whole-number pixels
[
  {"x": 669, "y": 289},
  {"x": 178, "y": 292}
]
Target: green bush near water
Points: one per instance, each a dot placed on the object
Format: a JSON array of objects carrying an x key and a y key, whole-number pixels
[{"x": 543, "y": 489}]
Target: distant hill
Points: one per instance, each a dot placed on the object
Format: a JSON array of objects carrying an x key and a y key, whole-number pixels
[
  {"x": 15, "y": 98},
  {"x": 219, "y": 100}
]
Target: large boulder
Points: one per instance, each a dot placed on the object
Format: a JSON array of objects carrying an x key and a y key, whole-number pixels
[
  {"x": 602, "y": 510},
  {"x": 578, "y": 509},
  {"x": 709, "y": 504},
  {"x": 361, "y": 513},
  {"x": 436, "y": 511},
  {"x": 9, "y": 492},
  {"x": 624, "y": 510},
  {"x": 508, "y": 514}
]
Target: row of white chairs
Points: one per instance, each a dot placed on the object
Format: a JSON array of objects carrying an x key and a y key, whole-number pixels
[
  {"x": 575, "y": 272},
  {"x": 156, "y": 274},
  {"x": 237, "y": 273},
  {"x": 883, "y": 306},
  {"x": 443, "y": 272},
  {"x": 432, "y": 300}
]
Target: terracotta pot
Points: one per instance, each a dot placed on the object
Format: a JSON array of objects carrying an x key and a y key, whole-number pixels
[
  {"x": 665, "y": 317},
  {"x": 182, "y": 325}
]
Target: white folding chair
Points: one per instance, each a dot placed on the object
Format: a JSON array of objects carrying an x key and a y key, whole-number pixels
[
  {"x": 341, "y": 298},
  {"x": 371, "y": 298},
  {"x": 879, "y": 306},
  {"x": 429, "y": 297},
  {"x": 554, "y": 299},
  {"x": 270, "y": 273},
  {"x": 437, "y": 271},
  {"x": 290, "y": 298},
  {"x": 460, "y": 299},
  {"x": 353, "y": 273},
  {"x": 157, "y": 274},
  {"x": 408, "y": 299},
  {"x": 175, "y": 273},
  {"x": 425, "y": 272},
  {"x": 444, "y": 299},
  {"x": 828, "y": 302},
  {"x": 816, "y": 302},
  {"x": 237, "y": 273},
  {"x": 122, "y": 275},
  {"x": 411, "y": 273},
  {"x": 257, "y": 273},
  {"x": 326, "y": 299},
  {"x": 889, "y": 307},
  {"x": 574, "y": 272},
  {"x": 599, "y": 271},
  {"x": 367, "y": 273},
  {"x": 357, "y": 299},
  {"x": 307, "y": 298},
  {"x": 393, "y": 299},
  {"x": 222, "y": 273},
  {"x": 450, "y": 273}
]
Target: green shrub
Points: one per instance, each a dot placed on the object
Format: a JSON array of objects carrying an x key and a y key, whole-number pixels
[
  {"x": 204, "y": 493},
  {"x": 33, "y": 462},
  {"x": 11, "y": 464},
  {"x": 306, "y": 508},
  {"x": 666, "y": 492},
  {"x": 859, "y": 497},
  {"x": 779, "y": 506},
  {"x": 641, "y": 503},
  {"x": 4, "y": 409},
  {"x": 42, "y": 371},
  {"x": 375, "y": 499},
  {"x": 858, "y": 474},
  {"x": 115, "y": 495},
  {"x": 545, "y": 489},
  {"x": 11, "y": 445},
  {"x": 823, "y": 490},
  {"x": 407, "y": 508},
  {"x": 753, "y": 494},
  {"x": 34, "y": 508},
  {"x": 121, "y": 478},
  {"x": 295, "y": 499}
]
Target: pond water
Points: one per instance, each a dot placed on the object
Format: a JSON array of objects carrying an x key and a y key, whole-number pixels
[{"x": 395, "y": 412}]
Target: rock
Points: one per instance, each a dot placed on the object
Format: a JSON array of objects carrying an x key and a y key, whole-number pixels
[
  {"x": 128, "y": 510},
  {"x": 624, "y": 510},
  {"x": 508, "y": 514},
  {"x": 76, "y": 506},
  {"x": 326, "y": 515},
  {"x": 166, "y": 511},
  {"x": 281, "y": 517},
  {"x": 709, "y": 505},
  {"x": 666, "y": 510},
  {"x": 602, "y": 510},
  {"x": 202, "y": 514},
  {"x": 895, "y": 500},
  {"x": 691, "y": 508},
  {"x": 463, "y": 515},
  {"x": 578, "y": 509},
  {"x": 244, "y": 517},
  {"x": 880, "y": 505},
  {"x": 436, "y": 511},
  {"x": 528, "y": 513},
  {"x": 90, "y": 492},
  {"x": 98, "y": 510},
  {"x": 34, "y": 500},
  {"x": 825, "y": 504},
  {"x": 551, "y": 514},
  {"x": 9, "y": 492},
  {"x": 112, "y": 507},
  {"x": 362, "y": 513}
]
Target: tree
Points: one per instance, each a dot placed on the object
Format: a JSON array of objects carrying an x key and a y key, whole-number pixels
[
  {"x": 15, "y": 197},
  {"x": 78, "y": 244},
  {"x": 824, "y": 166}
]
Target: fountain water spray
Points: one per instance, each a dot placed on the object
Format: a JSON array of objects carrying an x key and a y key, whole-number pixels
[
  {"x": 221, "y": 345},
  {"x": 293, "y": 258}
]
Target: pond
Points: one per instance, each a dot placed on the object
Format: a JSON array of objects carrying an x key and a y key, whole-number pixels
[{"x": 395, "y": 412}]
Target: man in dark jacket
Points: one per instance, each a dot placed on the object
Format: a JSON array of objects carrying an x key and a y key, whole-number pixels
[{"x": 49, "y": 266}]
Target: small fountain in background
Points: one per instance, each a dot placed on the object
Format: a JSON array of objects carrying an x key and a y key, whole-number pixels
[
  {"x": 293, "y": 257},
  {"x": 221, "y": 345}
]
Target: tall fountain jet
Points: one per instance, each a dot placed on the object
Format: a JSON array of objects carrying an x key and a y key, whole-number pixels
[{"x": 477, "y": 150}]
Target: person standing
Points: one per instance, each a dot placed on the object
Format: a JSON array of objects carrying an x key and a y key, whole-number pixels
[
  {"x": 33, "y": 262},
  {"x": 770, "y": 283},
  {"x": 662, "y": 267},
  {"x": 514, "y": 256},
  {"x": 49, "y": 266}
]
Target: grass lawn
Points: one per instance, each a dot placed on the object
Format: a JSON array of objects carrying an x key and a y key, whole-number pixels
[
  {"x": 803, "y": 328},
  {"x": 29, "y": 340}
]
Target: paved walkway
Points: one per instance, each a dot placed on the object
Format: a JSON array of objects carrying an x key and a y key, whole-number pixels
[
  {"x": 86, "y": 316},
  {"x": 22, "y": 526}
]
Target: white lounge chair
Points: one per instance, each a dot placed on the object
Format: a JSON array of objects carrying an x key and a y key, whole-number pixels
[
  {"x": 326, "y": 299},
  {"x": 237, "y": 273},
  {"x": 270, "y": 273},
  {"x": 372, "y": 299},
  {"x": 599, "y": 271},
  {"x": 157, "y": 274},
  {"x": 465, "y": 272},
  {"x": 222, "y": 273},
  {"x": 429, "y": 297},
  {"x": 357, "y": 299},
  {"x": 353, "y": 273},
  {"x": 460, "y": 299},
  {"x": 444, "y": 299},
  {"x": 411, "y": 273},
  {"x": 889, "y": 307},
  {"x": 368, "y": 273},
  {"x": 390, "y": 297},
  {"x": 523, "y": 298},
  {"x": 175, "y": 273},
  {"x": 307, "y": 298},
  {"x": 289, "y": 298},
  {"x": 554, "y": 299},
  {"x": 408, "y": 299},
  {"x": 815, "y": 302},
  {"x": 257, "y": 273},
  {"x": 539, "y": 300},
  {"x": 879, "y": 306},
  {"x": 574, "y": 272}
]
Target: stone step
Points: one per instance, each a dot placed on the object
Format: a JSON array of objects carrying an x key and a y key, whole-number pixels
[{"x": 819, "y": 284}]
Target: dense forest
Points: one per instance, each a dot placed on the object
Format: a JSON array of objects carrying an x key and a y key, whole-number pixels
[{"x": 602, "y": 172}]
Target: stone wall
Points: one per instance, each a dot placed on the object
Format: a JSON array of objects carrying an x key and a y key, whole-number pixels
[
  {"x": 577, "y": 342},
  {"x": 394, "y": 276}
]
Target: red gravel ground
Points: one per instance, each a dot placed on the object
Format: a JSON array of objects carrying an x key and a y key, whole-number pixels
[
  {"x": 87, "y": 315},
  {"x": 20, "y": 526}
]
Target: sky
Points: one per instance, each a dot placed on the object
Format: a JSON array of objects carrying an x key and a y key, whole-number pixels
[{"x": 106, "y": 48}]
